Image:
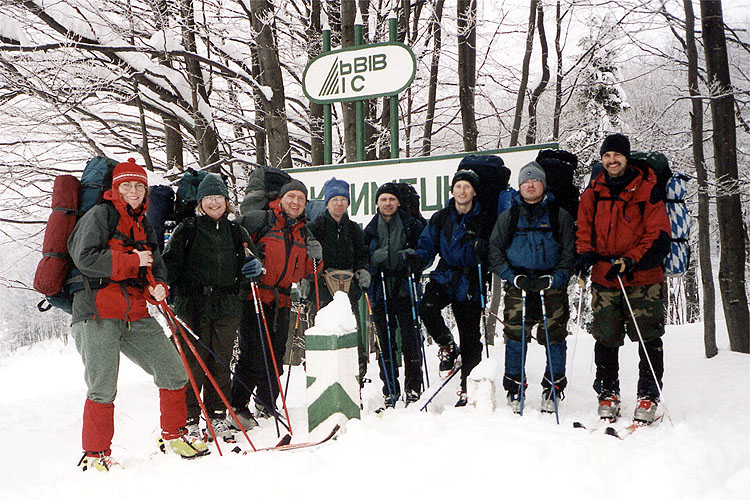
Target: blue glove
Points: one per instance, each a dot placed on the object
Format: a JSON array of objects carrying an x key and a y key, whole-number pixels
[{"x": 252, "y": 268}]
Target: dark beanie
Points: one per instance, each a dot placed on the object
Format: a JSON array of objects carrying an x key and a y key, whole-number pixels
[
  {"x": 293, "y": 185},
  {"x": 212, "y": 184},
  {"x": 389, "y": 188},
  {"x": 617, "y": 143},
  {"x": 466, "y": 175}
]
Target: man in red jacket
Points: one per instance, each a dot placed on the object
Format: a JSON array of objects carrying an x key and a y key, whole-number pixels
[{"x": 623, "y": 236}]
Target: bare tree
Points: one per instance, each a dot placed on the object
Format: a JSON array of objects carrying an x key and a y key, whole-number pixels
[
  {"x": 435, "y": 30},
  {"x": 467, "y": 76},
  {"x": 728, "y": 206},
  {"x": 537, "y": 92},
  {"x": 524, "y": 73}
]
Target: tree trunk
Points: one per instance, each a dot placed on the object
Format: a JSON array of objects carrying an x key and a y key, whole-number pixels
[
  {"x": 467, "y": 77},
  {"x": 279, "y": 151},
  {"x": 704, "y": 218},
  {"x": 348, "y": 13},
  {"x": 559, "y": 76},
  {"x": 728, "y": 206},
  {"x": 261, "y": 157},
  {"x": 205, "y": 136},
  {"x": 437, "y": 35},
  {"x": 524, "y": 75},
  {"x": 536, "y": 94},
  {"x": 314, "y": 48}
]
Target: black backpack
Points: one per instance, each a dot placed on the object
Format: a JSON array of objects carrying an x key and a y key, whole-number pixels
[
  {"x": 493, "y": 178},
  {"x": 560, "y": 168},
  {"x": 409, "y": 200}
]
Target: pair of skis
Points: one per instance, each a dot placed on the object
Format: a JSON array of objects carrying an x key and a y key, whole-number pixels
[
  {"x": 611, "y": 430},
  {"x": 286, "y": 443}
]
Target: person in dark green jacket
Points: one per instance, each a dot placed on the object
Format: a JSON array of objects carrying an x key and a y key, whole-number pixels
[
  {"x": 205, "y": 259},
  {"x": 339, "y": 242}
]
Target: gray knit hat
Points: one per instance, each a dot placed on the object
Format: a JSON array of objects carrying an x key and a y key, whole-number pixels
[
  {"x": 212, "y": 184},
  {"x": 293, "y": 185},
  {"x": 532, "y": 170}
]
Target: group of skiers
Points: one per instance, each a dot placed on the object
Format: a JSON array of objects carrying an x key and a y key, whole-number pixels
[{"x": 216, "y": 268}]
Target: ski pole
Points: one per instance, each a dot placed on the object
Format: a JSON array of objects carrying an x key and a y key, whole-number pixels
[
  {"x": 388, "y": 381},
  {"x": 643, "y": 345},
  {"x": 417, "y": 327},
  {"x": 273, "y": 359},
  {"x": 169, "y": 314},
  {"x": 317, "y": 291},
  {"x": 237, "y": 377},
  {"x": 581, "y": 285},
  {"x": 291, "y": 351},
  {"x": 484, "y": 316},
  {"x": 388, "y": 330},
  {"x": 523, "y": 346},
  {"x": 549, "y": 356},
  {"x": 457, "y": 370}
]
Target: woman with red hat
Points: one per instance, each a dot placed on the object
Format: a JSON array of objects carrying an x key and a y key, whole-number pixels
[{"x": 114, "y": 247}]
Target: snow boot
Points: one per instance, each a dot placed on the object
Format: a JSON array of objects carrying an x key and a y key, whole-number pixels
[
  {"x": 390, "y": 401},
  {"x": 548, "y": 400},
  {"x": 183, "y": 444},
  {"x": 514, "y": 401},
  {"x": 98, "y": 460},
  {"x": 609, "y": 406},
  {"x": 463, "y": 399},
  {"x": 645, "y": 410},
  {"x": 245, "y": 417},
  {"x": 412, "y": 396},
  {"x": 448, "y": 355}
]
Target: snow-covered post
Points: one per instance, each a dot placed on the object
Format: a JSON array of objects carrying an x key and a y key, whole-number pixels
[
  {"x": 481, "y": 385},
  {"x": 332, "y": 368}
]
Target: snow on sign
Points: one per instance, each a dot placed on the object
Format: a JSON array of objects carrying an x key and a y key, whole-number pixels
[
  {"x": 431, "y": 177},
  {"x": 356, "y": 73}
]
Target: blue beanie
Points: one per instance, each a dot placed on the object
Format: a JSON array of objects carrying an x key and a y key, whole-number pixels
[{"x": 336, "y": 187}]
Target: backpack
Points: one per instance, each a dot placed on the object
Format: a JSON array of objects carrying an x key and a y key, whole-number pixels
[
  {"x": 493, "y": 178},
  {"x": 672, "y": 188},
  {"x": 160, "y": 213},
  {"x": 187, "y": 194},
  {"x": 56, "y": 277},
  {"x": 409, "y": 200},
  {"x": 559, "y": 168}
]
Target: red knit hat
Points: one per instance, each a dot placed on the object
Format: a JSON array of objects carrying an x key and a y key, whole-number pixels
[{"x": 128, "y": 171}]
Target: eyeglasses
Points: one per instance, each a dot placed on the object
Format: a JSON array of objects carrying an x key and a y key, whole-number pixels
[
  {"x": 129, "y": 186},
  {"x": 214, "y": 198}
]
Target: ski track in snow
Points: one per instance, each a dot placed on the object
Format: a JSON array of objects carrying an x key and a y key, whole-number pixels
[{"x": 443, "y": 453}]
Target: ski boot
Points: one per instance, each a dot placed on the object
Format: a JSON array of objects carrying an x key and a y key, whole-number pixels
[
  {"x": 390, "y": 401},
  {"x": 412, "y": 396},
  {"x": 463, "y": 399},
  {"x": 448, "y": 355},
  {"x": 222, "y": 428},
  {"x": 609, "y": 406},
  {"x": 645, "y": 410},
  {"x": 514, "y": 401},
  {"x": 183, "y": 444},
  {"x": 97, "y": 460},
  {"x": 245, "y": 418},
  {"x": 194, "y": 430},
  {"x": 548, "y": 401}
]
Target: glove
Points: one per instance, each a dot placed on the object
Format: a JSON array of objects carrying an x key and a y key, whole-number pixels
[
  {"x": 481, "y": 249},
  {"x": 523, "y": 282},
  {"x": 303, "y": 288},
  {"x": 379, "y": 256},
  {"x": 252, "y": 268},
  {"x": 314, "y": 249},
  {"x": 586, "y": 261},
  {"x": 620, "y": 267},
  {"x": 544, "y": 282},
  {"x": 363, "y": 278},
  {"x": 413, "y": 261}
]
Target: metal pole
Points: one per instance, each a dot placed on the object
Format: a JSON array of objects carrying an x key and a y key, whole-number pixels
[
  {"x": 327, "y": 121},
  {"x": 359, "y": 106},
  {"x": 393, "y": 37}
]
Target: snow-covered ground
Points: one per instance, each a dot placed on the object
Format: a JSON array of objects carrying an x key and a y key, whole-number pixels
[{"x": 704, "y": 453}]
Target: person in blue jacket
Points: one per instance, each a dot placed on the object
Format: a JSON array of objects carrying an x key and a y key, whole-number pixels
[
  {"x": 390, "y": 237},
  {"x": 532, "y": 248},
  {"x": 455, "y": 233}
]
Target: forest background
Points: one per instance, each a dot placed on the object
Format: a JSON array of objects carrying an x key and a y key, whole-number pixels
[{"x": 216, "y": 85}]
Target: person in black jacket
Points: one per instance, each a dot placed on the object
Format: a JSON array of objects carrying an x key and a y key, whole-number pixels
[
  {"x": 390, "y": 237},
  {"x": 336, "y": 243}
]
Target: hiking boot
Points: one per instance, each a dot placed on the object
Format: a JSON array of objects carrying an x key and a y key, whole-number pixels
[
  {"x": 463, "y": 399},
  {"x": 609, "y": 406},
  {"x": 390, "y": 401},
  {"x": 645, "y": 410},
  {"x": 183, "y": 444},
  {"x": 245, "y": 418},
  {"x": 514, "y": 401},
  {"x": 412, "y": 396},
  {"x": 447, "y": 356},
  {"x": 97, "y": 460},
  {"x": 549, "y": 405},
  {"x": 222, "y": 429}
]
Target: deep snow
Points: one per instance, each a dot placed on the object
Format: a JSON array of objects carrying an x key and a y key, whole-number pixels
[{"x": 403, "y": 453}]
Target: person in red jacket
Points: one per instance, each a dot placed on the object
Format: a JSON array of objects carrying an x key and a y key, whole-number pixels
[
  {"x": 278, "y": 234},
  {"x": 623, "y": 236},
  {"x": 114, "y": 248}
]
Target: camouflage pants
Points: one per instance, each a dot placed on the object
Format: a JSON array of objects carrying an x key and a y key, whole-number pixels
[
  {"x": 612, "y": 319},
  {"x": 558, "y": 312}
]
